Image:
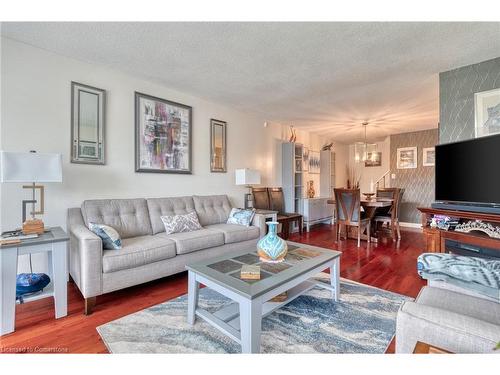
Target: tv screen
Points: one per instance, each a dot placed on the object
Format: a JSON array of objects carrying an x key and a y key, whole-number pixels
[{"x": 469, "y": 171}]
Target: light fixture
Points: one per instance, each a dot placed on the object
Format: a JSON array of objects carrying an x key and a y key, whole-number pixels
[
  {"x": 363, "y": 149},
  {"x": 247, "y": 177},
  {"x": 33, "y": 167}
]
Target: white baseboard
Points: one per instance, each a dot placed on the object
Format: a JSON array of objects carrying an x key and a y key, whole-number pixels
[{"x": 410, "y": 225}]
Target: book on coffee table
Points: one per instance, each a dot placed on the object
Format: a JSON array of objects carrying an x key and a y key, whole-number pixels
[{"x": 249, "y": 272}]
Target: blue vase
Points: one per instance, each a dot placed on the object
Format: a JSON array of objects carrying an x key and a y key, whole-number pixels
[{"x": 272, "y": 248}]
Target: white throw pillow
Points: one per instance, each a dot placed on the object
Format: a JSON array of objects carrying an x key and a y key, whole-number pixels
[{"x": 181, "y": 223}]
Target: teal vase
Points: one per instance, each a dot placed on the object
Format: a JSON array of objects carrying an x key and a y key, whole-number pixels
[{"x": 272, "y": 248}]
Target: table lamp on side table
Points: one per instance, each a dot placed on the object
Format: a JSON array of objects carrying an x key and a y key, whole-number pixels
[
  {"x": 247, "y": 177},
  {"x": 32, "y": 167}
]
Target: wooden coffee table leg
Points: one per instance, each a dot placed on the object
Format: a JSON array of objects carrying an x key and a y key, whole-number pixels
[{"x": 250, "y": 325}]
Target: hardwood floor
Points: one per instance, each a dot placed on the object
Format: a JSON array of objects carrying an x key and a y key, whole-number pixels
[{"x": 387, "y": 265}]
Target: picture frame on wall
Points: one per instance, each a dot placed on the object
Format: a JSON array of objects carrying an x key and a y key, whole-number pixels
[
  {"x": 88, "y": 108},
  {"x": 373, "y": 159},
  {"x": 487, "y": 113},
  {"x": 407, "y": 158},
  {"x": 163, "y": 136},
  {"x": 428, "y": 156},
  {"x": 218, "y": 146},
  {"x": 314, "y": 162}
]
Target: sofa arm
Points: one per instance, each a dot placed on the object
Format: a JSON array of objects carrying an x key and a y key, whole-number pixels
[
  {"x": 445, "y": 329},
  {"x": 85, "y": 255},
  {"x": 260, "y": 222}
]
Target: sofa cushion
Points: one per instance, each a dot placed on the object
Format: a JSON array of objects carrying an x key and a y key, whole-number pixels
[
  {"x": 212, "y": 209},
  {"x": 235, "y": 232},
  {"x": 129, "y": 217},
  {"x": 187, "y": 242},
  {"x": 159, "y": 207},
  {"x": 138, "y": 251},
  {"x": 110, "y": 237},
  {"x": 479, "y": 308}
]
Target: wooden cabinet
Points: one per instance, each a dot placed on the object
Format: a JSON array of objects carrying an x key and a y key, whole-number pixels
[
  {"x": 292, "y": 176},
  {"x": 435, "y": 238},
  {"x": 432, "y": 240}
]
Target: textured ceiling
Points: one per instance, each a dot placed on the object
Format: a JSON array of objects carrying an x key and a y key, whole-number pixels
[{"x": 324, "y": 77}]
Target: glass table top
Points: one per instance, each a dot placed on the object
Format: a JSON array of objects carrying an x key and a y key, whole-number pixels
[{"x": 226, "y": 270}]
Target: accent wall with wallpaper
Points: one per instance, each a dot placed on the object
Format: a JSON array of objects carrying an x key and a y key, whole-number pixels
[
  {"x": 418, "y": 182},
  {"x": 456, "y": 98}
]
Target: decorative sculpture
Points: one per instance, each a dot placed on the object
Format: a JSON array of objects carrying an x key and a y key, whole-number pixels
[{"x": 479, "y": 226}]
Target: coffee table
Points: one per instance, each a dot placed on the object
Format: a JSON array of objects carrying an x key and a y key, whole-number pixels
[{"x": 241, "y": 321}]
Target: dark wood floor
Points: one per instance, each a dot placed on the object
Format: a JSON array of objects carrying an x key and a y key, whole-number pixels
[{"x": 387, "y": 265}]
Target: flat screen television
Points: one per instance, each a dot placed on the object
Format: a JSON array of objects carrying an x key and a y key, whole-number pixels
[{"x": 468, "y": 172}]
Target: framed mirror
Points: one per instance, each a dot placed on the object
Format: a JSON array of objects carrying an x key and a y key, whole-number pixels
[
  {"x": 218, "y": 146},
  {"x": 87, "y": 124}
]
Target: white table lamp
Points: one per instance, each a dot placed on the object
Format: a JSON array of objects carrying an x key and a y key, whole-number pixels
[
  {"x": 247, "y": 177},
  {"x": 32, "y": 167}
]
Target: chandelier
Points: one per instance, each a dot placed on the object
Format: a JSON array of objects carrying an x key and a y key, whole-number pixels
[{"x": 364, "y": 150}]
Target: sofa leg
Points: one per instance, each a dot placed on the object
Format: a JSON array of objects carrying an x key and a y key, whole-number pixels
[{"x": 89, "y": 305}]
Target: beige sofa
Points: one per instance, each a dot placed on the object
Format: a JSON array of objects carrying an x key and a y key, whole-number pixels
[
  {"x": 453, "y": 321},
  {"x": 148, "y": 253}
]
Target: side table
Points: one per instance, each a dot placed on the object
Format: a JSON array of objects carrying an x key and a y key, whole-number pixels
[{"x": 54, "y": 242}]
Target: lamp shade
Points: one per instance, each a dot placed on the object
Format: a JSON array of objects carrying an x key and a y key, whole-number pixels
[
  {"x": 247, "y": 177},
  {"x": 30, "y": 167}
]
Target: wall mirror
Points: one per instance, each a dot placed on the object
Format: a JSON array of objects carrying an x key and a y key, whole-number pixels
[
  {"x": 218, "y": 146},
  {"x": 87, "y": 124}
]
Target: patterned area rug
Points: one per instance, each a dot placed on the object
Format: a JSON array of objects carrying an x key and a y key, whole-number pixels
[{"x": 363, "y": 321}]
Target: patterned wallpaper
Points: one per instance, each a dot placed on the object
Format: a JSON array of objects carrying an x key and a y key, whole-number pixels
[
  {"x": 418, "y": 182},
  {"x": 456, "y": 98}
]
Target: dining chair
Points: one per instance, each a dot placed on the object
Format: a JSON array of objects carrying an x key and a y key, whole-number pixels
[
  {"x": 349, "y": 212},
  {"x": 390, "y": 215},
  {"x": 277, "y": 200},
  {"x": 261, "y": 198}
]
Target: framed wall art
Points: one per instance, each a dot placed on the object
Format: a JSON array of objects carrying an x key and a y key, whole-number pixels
[
  {"x": 314, "y": 162},
  {"x": 218, "y": 146},
  {"x": 162, "y": 135},
  {"x": 428, "y": 156},
  {"x": 88, "y": 105},
  {"x": 487, "y": 112},
  {"x": 373, "y": 159},
  {"x": 407, "y": 158}
]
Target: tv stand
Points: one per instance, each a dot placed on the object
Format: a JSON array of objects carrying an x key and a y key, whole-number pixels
[
  {"x": 435, "y": 238},
  {"x": 484, "y": 209}
]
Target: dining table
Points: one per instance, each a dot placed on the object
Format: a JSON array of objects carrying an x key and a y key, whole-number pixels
[{"x": 370, "y": 207}]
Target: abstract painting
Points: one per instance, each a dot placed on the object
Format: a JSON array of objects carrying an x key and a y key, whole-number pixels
[
  {"x": 314, "y": 162},
  {"x": 162, "y": 135},
  {"x": 487, "y": 111},
  {"x": 407, "y": 158}
]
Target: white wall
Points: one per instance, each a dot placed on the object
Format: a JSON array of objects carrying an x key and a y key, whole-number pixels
[
  {"x": 35, "y": 115},
  {"x": 368, "y": 174}
]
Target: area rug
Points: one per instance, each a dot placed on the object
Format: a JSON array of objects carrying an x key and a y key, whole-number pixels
[{"x": 363, "y": 321}]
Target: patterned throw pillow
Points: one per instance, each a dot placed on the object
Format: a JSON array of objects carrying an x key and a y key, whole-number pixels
[
  {"x": 181, "y": 223},
  {"x": 241, "y": 216},
  {"x": 110, "y": 238}
]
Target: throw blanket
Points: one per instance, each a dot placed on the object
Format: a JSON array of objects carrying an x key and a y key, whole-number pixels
[{"x": 463, "y": 268}]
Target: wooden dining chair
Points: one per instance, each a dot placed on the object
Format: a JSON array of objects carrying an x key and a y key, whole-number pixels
[
  {"x": 277, "y": 200},
  {"x": 260, "y": 197},
  {"x": 390, "y": 215},
  {"x": 349, "y": 212}
]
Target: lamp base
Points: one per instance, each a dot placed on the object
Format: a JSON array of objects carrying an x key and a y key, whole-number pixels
[{"x": 33, "y": 226}]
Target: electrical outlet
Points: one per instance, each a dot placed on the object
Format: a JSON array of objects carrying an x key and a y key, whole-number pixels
[{"x": 393, "y": 176}]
